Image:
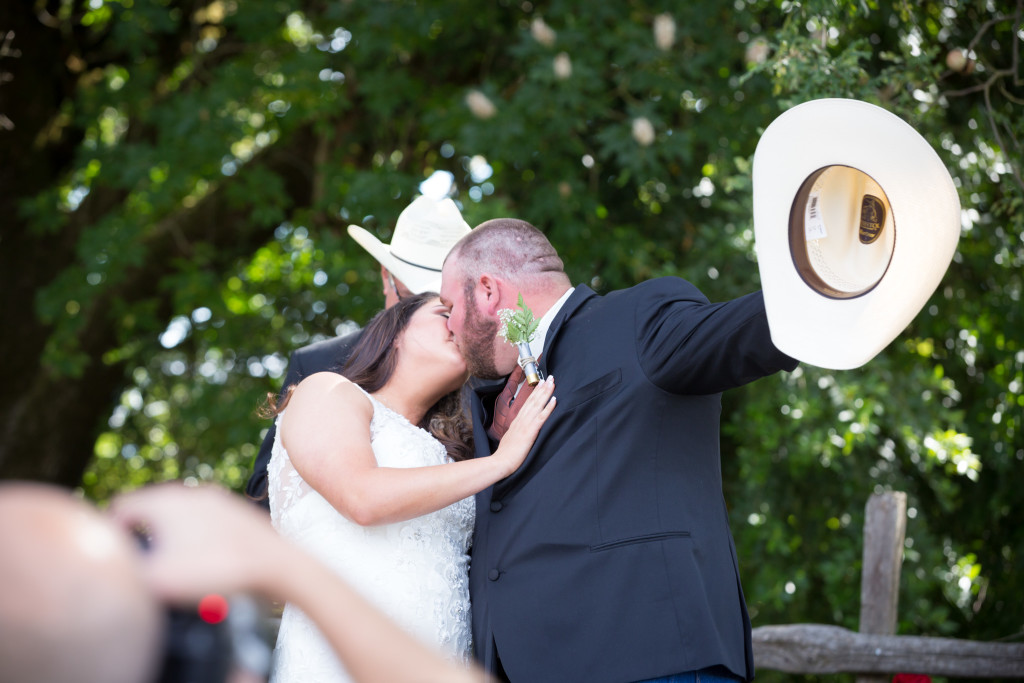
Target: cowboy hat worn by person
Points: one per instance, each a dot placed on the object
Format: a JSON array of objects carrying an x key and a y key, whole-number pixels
[
  {"x": 411, "y": 264},
  {"x": 423, "y": 236}
]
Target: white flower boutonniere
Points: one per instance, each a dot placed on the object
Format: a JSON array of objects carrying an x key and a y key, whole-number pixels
[{"x": 519, "y": 327}]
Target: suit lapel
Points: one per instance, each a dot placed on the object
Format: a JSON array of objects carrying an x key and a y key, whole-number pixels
[
  {"x": 486, "y": 391},
  {"x": 535, "y": 460},
  {"x": 579, "y": 295}
]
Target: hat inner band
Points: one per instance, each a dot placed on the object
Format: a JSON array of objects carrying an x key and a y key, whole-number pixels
[
  {"x": 416, "y": 265},
  {"x": 842, "y": 232}
]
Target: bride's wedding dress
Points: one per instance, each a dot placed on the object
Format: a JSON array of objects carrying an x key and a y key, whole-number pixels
[{"x": 415, "y": 571}]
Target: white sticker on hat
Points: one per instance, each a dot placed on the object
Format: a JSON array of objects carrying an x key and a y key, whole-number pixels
[{"x": 814, "y": 224}]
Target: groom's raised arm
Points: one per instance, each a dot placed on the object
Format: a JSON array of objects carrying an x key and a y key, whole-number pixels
[{"x": 688, "y": 345}]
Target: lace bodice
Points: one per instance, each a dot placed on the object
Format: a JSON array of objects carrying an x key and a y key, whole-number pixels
[{"x": 416, "y": 571}]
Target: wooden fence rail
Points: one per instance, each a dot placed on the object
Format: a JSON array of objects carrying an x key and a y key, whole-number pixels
[
  {"x": 875, "y": 653},
  {"x": 820, "y": 649}
]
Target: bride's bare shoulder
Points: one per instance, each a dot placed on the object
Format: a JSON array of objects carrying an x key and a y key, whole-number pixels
[
  {"x": 329, "y": 389},
  {"x": 325, "y": 410}
]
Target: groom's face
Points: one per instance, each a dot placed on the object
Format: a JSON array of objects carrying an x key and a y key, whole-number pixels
[
  {"x": 478, "y": 334},
  {"x": 475, "y": 332}
]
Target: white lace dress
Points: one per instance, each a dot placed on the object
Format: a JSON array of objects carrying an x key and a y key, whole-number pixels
[{"x": 415, "y": 571}]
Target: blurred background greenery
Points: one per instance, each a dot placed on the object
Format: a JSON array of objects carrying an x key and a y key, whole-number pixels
[{"x": 177, "y": 177}]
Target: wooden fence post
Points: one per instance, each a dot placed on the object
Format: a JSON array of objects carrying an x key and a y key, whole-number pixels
[{"x": 885, "y": 527}]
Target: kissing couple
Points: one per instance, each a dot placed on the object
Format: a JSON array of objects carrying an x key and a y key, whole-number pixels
[{"x": 587, "y": 541}]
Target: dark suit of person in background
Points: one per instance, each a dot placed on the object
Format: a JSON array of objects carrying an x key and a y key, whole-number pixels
[
  {"x": 411, "y": 264},
  {"x": 328, "y": 355},
  {"x": 607, "y": 556}
]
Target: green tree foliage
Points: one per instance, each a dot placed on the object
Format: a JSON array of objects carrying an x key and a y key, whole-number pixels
[
  {"x": 939, "y": 413},
  {"x": 178, "y": 176}
]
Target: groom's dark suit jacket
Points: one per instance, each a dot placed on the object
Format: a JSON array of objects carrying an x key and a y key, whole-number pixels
[{"x": 607, "y": 556}]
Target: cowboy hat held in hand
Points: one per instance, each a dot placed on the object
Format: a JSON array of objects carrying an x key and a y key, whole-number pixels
[{"x": 856, "y": 220}]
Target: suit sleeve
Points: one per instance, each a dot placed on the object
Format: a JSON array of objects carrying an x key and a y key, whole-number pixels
[
  {"x": 256, "y": 488},
  {"x": 327, "y": 355},
  {"x": 688, "y": 345}
]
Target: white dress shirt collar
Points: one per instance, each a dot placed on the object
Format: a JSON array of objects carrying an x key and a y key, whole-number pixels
[{"x": 537, "y": 345}]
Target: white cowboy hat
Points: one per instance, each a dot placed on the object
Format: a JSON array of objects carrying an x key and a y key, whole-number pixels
[
  {"x": 426, "y": 231},
  {"x": 856, "y": 220}
]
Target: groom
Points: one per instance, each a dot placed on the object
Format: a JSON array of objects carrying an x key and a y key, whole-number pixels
[{"x": 607, "y": 556}]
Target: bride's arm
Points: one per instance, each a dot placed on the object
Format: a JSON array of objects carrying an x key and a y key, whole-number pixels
[{"x": 326, "y": 431}]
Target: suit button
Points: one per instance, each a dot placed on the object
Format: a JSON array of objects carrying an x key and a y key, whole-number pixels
[
  {"x": 493, "y": 574},
  {"x": 496, "y": 506}
]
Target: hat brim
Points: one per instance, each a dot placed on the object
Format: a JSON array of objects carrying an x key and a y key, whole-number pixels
[
  {"x": 415, "y": 278},
  {"x": 844, "y": 333}
]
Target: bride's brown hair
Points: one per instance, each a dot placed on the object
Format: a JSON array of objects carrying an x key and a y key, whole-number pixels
[{"x": 373, "y": 361}]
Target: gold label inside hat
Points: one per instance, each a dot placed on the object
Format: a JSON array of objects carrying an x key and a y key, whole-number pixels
[{"x": 872, "y": 218}]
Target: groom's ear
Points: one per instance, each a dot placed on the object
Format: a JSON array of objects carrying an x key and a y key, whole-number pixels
[{"x": 489, "y": 293}]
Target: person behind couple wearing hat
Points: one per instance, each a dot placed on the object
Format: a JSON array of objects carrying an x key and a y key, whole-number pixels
[{"x": 424, "y": 233}]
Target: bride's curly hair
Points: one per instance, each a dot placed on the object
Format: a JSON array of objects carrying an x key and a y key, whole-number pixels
[{"x": 373, "y": 362}]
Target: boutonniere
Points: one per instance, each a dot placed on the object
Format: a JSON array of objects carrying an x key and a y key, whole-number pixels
[{"x": 519, "y": 327}]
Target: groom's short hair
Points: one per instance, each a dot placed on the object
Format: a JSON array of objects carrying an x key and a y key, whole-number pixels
[
  {"x": 73, "y": 602},
  {"x": 511, "y": 249}
]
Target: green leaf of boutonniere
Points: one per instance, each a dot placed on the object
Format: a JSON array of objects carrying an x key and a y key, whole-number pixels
[{"x": 518, "y": 326}]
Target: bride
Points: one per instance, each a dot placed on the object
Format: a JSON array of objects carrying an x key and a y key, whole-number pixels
[{"x": 373, "y": 473}]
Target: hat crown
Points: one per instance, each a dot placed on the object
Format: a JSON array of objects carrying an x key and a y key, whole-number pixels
[
  {"x": 842, "y": 234},
  {"x": 426, "y": 231}
]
